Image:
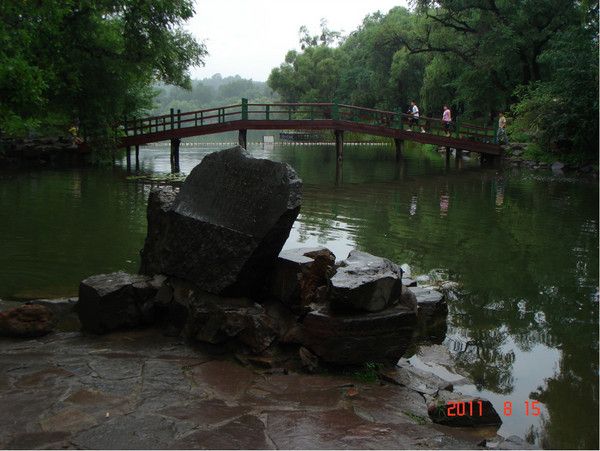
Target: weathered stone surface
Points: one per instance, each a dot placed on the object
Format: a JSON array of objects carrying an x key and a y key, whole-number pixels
[
  {"x": 247, "y": 432},
  {"x": 408, "y": 282},
  {"x": 145, "y": 390},
  {"x": 60, "y": 306},
  {"x": 429, "y": 301},
  {"x": 301, "y": 276},
  {"x": 26, "y": 321},
  {"x": 116, "y": 300},
  {"x": 415, "y": 379},
  {"x": 131, "y": 432},
  {"x": 512, "y": 442},
  {"x": 454, "y": 409},
  {"x": 216, "y": 319},
  {"x": 364, "y": 282},
  {"x": 224, "y": 229},
  {"x": 310, "y": 362},
  {"x": 354, "y": 339}
]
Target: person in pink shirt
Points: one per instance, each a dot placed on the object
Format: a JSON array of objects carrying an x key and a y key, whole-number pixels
[{"x": 447, "y": 119}]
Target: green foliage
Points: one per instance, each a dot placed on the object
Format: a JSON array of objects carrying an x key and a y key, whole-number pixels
[
  {"x": 369, "y": 373},
  {"x": 90, "y": 62},
  {"x": 416, "y": 418},
  {"x": 561, "y": 113},
  {"x": 478, "y": 56}
]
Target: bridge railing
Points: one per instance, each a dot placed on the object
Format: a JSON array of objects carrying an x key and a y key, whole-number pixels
[{"x": 306, "y": 112}]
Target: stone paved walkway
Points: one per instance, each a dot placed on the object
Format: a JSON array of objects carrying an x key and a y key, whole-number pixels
[{"x": 143, "y": 390}]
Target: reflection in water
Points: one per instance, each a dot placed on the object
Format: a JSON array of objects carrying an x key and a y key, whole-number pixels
[
  {"x": 523, "y": 246},
  {"x": 413, "y": 206},
  {"x": 444, "y": 204}
]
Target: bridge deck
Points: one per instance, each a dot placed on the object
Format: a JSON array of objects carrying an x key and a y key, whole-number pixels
[{"x": 306, "y": 116}]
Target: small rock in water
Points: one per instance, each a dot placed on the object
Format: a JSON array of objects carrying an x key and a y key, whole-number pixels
[
  {"x": 406, "y": 272},
  {"x": 409, "y": 282},
  {"x": 429, "y": 301},
  {"x": 423, "y": 278}
]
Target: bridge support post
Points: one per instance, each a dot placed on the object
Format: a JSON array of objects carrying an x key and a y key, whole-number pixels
[
  {"x": 448, "y": 153},
  {"x": 243, "y": 138},
  {"x": 175, "y": 155},
  {"x": 399, "y": 148},
  {"x": 137, "y": 157},
  {"x": 128, "y": 150},
  {"x": 339, "y": 144}
]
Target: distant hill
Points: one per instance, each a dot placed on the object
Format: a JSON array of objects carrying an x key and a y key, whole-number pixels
[{"x": 211, "y": 92}]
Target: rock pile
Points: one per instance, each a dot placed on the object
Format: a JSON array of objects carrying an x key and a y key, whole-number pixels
[{"x": 213, "y": 271}]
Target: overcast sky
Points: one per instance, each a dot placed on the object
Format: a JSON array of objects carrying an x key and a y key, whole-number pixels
[{"x": 250, "y": 37}]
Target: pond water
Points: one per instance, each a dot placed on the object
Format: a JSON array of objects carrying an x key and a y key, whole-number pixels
[{"x": 523, "y": 245}]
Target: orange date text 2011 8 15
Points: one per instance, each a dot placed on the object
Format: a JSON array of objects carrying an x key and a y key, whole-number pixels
[{"x": 473, "y": 409}]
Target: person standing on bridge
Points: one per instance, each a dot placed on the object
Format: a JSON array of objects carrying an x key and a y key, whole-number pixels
[
  {"x": 501, "y": 135},
  {"x": 447, "y": 120}
]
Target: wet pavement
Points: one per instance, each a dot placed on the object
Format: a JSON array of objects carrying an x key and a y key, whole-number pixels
[{"x": 141, "y": 390}]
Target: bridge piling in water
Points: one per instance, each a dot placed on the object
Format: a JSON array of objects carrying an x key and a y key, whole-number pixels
[
  {"x": 128, "y": 150},
  {"x": 339, "y": 144},
  {"x": 137, "y": 157},
  {"x": 399, "y": 148},
  {"x": 448, "y": 154},
  {"x": 175, "y": 155},
  {"x": 243, "y": 138}
]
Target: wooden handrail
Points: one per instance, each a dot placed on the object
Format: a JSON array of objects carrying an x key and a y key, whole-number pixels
[{"x": 316, "y": 110}]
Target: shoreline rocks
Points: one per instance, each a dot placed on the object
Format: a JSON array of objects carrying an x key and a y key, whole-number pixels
[
  {"x": 114, "y": 301},
  {"x": 26, "y": 321}
]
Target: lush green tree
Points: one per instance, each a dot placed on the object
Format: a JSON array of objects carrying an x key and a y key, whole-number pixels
[
  {"x": 310, "y": 76},
  {"x": 478, "y": 56},
  {"x": 561, "y": 112},
  {"x": 100, "y": 66}
]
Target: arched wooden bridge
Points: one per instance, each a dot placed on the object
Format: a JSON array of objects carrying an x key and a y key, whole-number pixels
[{"x": 304, "y": 116}]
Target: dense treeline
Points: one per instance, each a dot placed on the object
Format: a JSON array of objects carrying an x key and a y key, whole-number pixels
[
  {"x": 211, "y": 92},
  {"x": 537, "y": 60},
  {"x": 88, "y": 62}
]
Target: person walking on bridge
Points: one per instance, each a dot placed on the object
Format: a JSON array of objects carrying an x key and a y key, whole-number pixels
[
  {"x": 414, "y": 112},
  {"x": 447, "y": 120}
]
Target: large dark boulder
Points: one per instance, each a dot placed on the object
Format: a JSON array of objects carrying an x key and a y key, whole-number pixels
[
  {"x": 113, "y": 301},
  {"x": 226, "y": 226},
  {"x": 364, "y": 282},
  {"x": 358, "y": 338}
]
